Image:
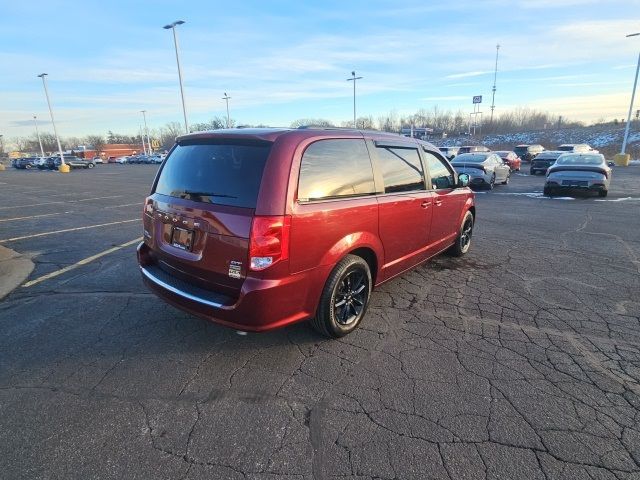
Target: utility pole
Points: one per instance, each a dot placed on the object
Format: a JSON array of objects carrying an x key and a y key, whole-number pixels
[
  {"x": 35, "y": 121},
  {"x": 633, "y": 95},
  {"x": 227, "y": 98},
  {"x": 144, "y": 115},
  {"x": 493, "y": 90},
  {"x": 172, "y": 26},
  {"x": 53, "y": 122},
  {"x": 353, "y": 79}
]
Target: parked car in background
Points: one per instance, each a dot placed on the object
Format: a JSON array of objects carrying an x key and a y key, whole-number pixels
[
  {"x": 485, "y": 169},
  {"x": 473, "y": 149},
  {"x": 576, "y": 148},
  {"x": 155, "y": 159},
  {"x": 240, "y": 222},
  {"x": 581, "y": 171},
  {"x": 543, "y": 161},
  {"x": 122, "y": 160},
  {"x": 449, "y": 152},
  {"x": 97, "y": 160},
  {"x": 40, "y": 161},
  {"x": 511, "y": 158},
  {"x": 26, "y": 163},
  {"x": 528, "y": 152},
  {"x": 74, "y": 162}
]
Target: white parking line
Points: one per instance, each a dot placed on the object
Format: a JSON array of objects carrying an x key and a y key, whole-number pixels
[
  {"x": 32, "y": 216},
  {"x": 80, "y": 263},
  {"x": 15, "y": 239},
  {"x": 141, "y": 202},
  {"x": 61, "y": 201}
]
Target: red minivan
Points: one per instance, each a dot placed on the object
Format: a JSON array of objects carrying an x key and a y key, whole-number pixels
[{"x": 260, "y": 228}]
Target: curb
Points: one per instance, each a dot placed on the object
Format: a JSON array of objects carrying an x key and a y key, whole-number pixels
[{"x": 14, "y": 269}]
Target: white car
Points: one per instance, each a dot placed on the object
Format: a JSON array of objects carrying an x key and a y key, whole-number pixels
[
  {"x": 122, "y": 160},
  {"x": 579, "y": 171},
  {"x": 97, "y": 160}
]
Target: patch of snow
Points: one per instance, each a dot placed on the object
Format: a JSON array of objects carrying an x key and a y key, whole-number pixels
[{"x": 624, "y": 199}]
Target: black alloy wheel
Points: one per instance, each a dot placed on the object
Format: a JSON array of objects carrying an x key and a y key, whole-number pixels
[
  {"x": 463, "y": 242},
  {"x": 345, "y": 298}
]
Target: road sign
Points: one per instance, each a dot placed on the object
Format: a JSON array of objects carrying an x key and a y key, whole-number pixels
[
  {"x": 477, "y": 99},
  {"x": 155, "y": 143}
]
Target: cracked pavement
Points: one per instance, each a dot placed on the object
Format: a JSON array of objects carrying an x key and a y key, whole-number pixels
[{"x": 520, "y": 360}]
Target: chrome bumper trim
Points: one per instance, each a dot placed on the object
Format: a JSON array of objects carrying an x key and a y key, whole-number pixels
[{"x": 178, "y": 292}]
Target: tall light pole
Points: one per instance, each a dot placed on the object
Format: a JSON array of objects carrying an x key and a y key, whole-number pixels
[
  {"x": 227, "y": 98},
  {"x": 353, "y": 79},
  {"x": 53, "y": 122},
  {"x": 35, "y": 121},
  {"x": 144, "y": 115},
  {"x": 633, "y": 95},
  {"x": 141, "y": 133},
  {"x": 493, "y": 90},
  {"x": 172, "y": 26},
  {"x": 1, "y": 143}
]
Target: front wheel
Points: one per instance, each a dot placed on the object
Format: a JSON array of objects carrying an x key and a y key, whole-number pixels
[
  {"x": 91, "y": 165},
  {"x": 603, "y": 193},
  {"x": 463, "y": 242},
  {"x": 344, "y": 299}
]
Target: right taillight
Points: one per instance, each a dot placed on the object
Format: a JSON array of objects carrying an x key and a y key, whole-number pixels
[{"x": 269, "y": 242}]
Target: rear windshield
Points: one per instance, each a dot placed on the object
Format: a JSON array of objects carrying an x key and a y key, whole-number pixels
[
  {"x": 520, "y": 150},
  {"x": 224, "y": 174},
  {"x": 579, "y": 160},
  {"x": 469, "y": 158},
  {"x": 566, "y": 148}
]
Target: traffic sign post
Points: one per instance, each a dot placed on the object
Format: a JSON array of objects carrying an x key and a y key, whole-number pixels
[{"x": 477, "y": 100}]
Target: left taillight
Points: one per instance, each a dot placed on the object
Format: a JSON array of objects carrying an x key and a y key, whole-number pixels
[
  {"x": 147, "y": 215},
  {"x": 269, "y": 241}
]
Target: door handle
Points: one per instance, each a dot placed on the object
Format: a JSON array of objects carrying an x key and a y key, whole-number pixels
[
  {"x": 438, "y": 202},
  {"x": 425, "y": 204}
]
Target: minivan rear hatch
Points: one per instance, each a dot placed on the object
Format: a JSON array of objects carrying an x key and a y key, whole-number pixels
[{"x": 199, "y": 215}]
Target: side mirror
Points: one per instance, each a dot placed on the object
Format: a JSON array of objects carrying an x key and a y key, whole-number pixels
[{"x": 463, "y": 180}]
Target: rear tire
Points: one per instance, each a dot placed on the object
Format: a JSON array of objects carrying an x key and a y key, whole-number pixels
[
  {"x": 463, "y": 242},
  {"x": 603, "y": 193},
  {"x": 546, "y": 191},
  {"x": 344, "y": 299},
  {"x": 90, "y": 165},
  {"x": 492, "y": 182},
  {"x": 506, "y": 180}
]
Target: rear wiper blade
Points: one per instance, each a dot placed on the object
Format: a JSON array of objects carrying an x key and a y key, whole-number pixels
[{"x": 204, "y": 194}]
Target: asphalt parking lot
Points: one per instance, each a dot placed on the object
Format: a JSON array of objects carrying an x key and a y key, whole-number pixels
[{"x": 519, "y": 361}]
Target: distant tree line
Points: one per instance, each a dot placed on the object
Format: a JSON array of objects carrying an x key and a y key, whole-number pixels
[{"x": 442, "y": 121}]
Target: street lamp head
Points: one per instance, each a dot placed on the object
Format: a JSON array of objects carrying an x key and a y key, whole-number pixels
[
  {"x": 42, "y": 75},
  {"x": 633, "y": 34},
  {"x": 353, "y": 73},
  {"x": 174, "y": 24}
]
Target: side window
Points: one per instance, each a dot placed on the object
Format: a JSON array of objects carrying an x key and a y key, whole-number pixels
[
  {"x": 441, "y": 176},
  {"x": 335, "y": 168},
  {"x": 401, "y": 169}
]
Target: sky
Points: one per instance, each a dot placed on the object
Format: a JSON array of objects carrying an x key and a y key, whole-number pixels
[{"x": 284, "y": 60}]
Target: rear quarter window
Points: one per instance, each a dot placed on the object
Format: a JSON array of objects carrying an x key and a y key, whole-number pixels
[
  {"x": 219, "y": 173},
  {"x": 335, "y": 168}
]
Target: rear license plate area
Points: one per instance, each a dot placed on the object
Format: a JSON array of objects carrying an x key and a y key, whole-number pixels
[
  {"x": 575, "y": 183},
  {"x": 182, "y": 238}
]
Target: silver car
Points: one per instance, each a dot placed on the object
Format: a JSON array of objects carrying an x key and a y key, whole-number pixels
[
  {"x": 579, "y": 171},
  {"x": 485, "y": 169}
]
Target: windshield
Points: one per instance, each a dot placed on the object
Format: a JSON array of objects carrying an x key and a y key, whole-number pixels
[
  {"x": 520, "y": 150},
  {"x": 224, "y": 174},
  {"x": 566, "y": 148},
  {"x": 469, "y": 158},
  {"x": 579, "y": 160}
]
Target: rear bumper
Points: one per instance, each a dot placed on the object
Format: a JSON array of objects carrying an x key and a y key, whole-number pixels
[{"x": 262, "y": 304}]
